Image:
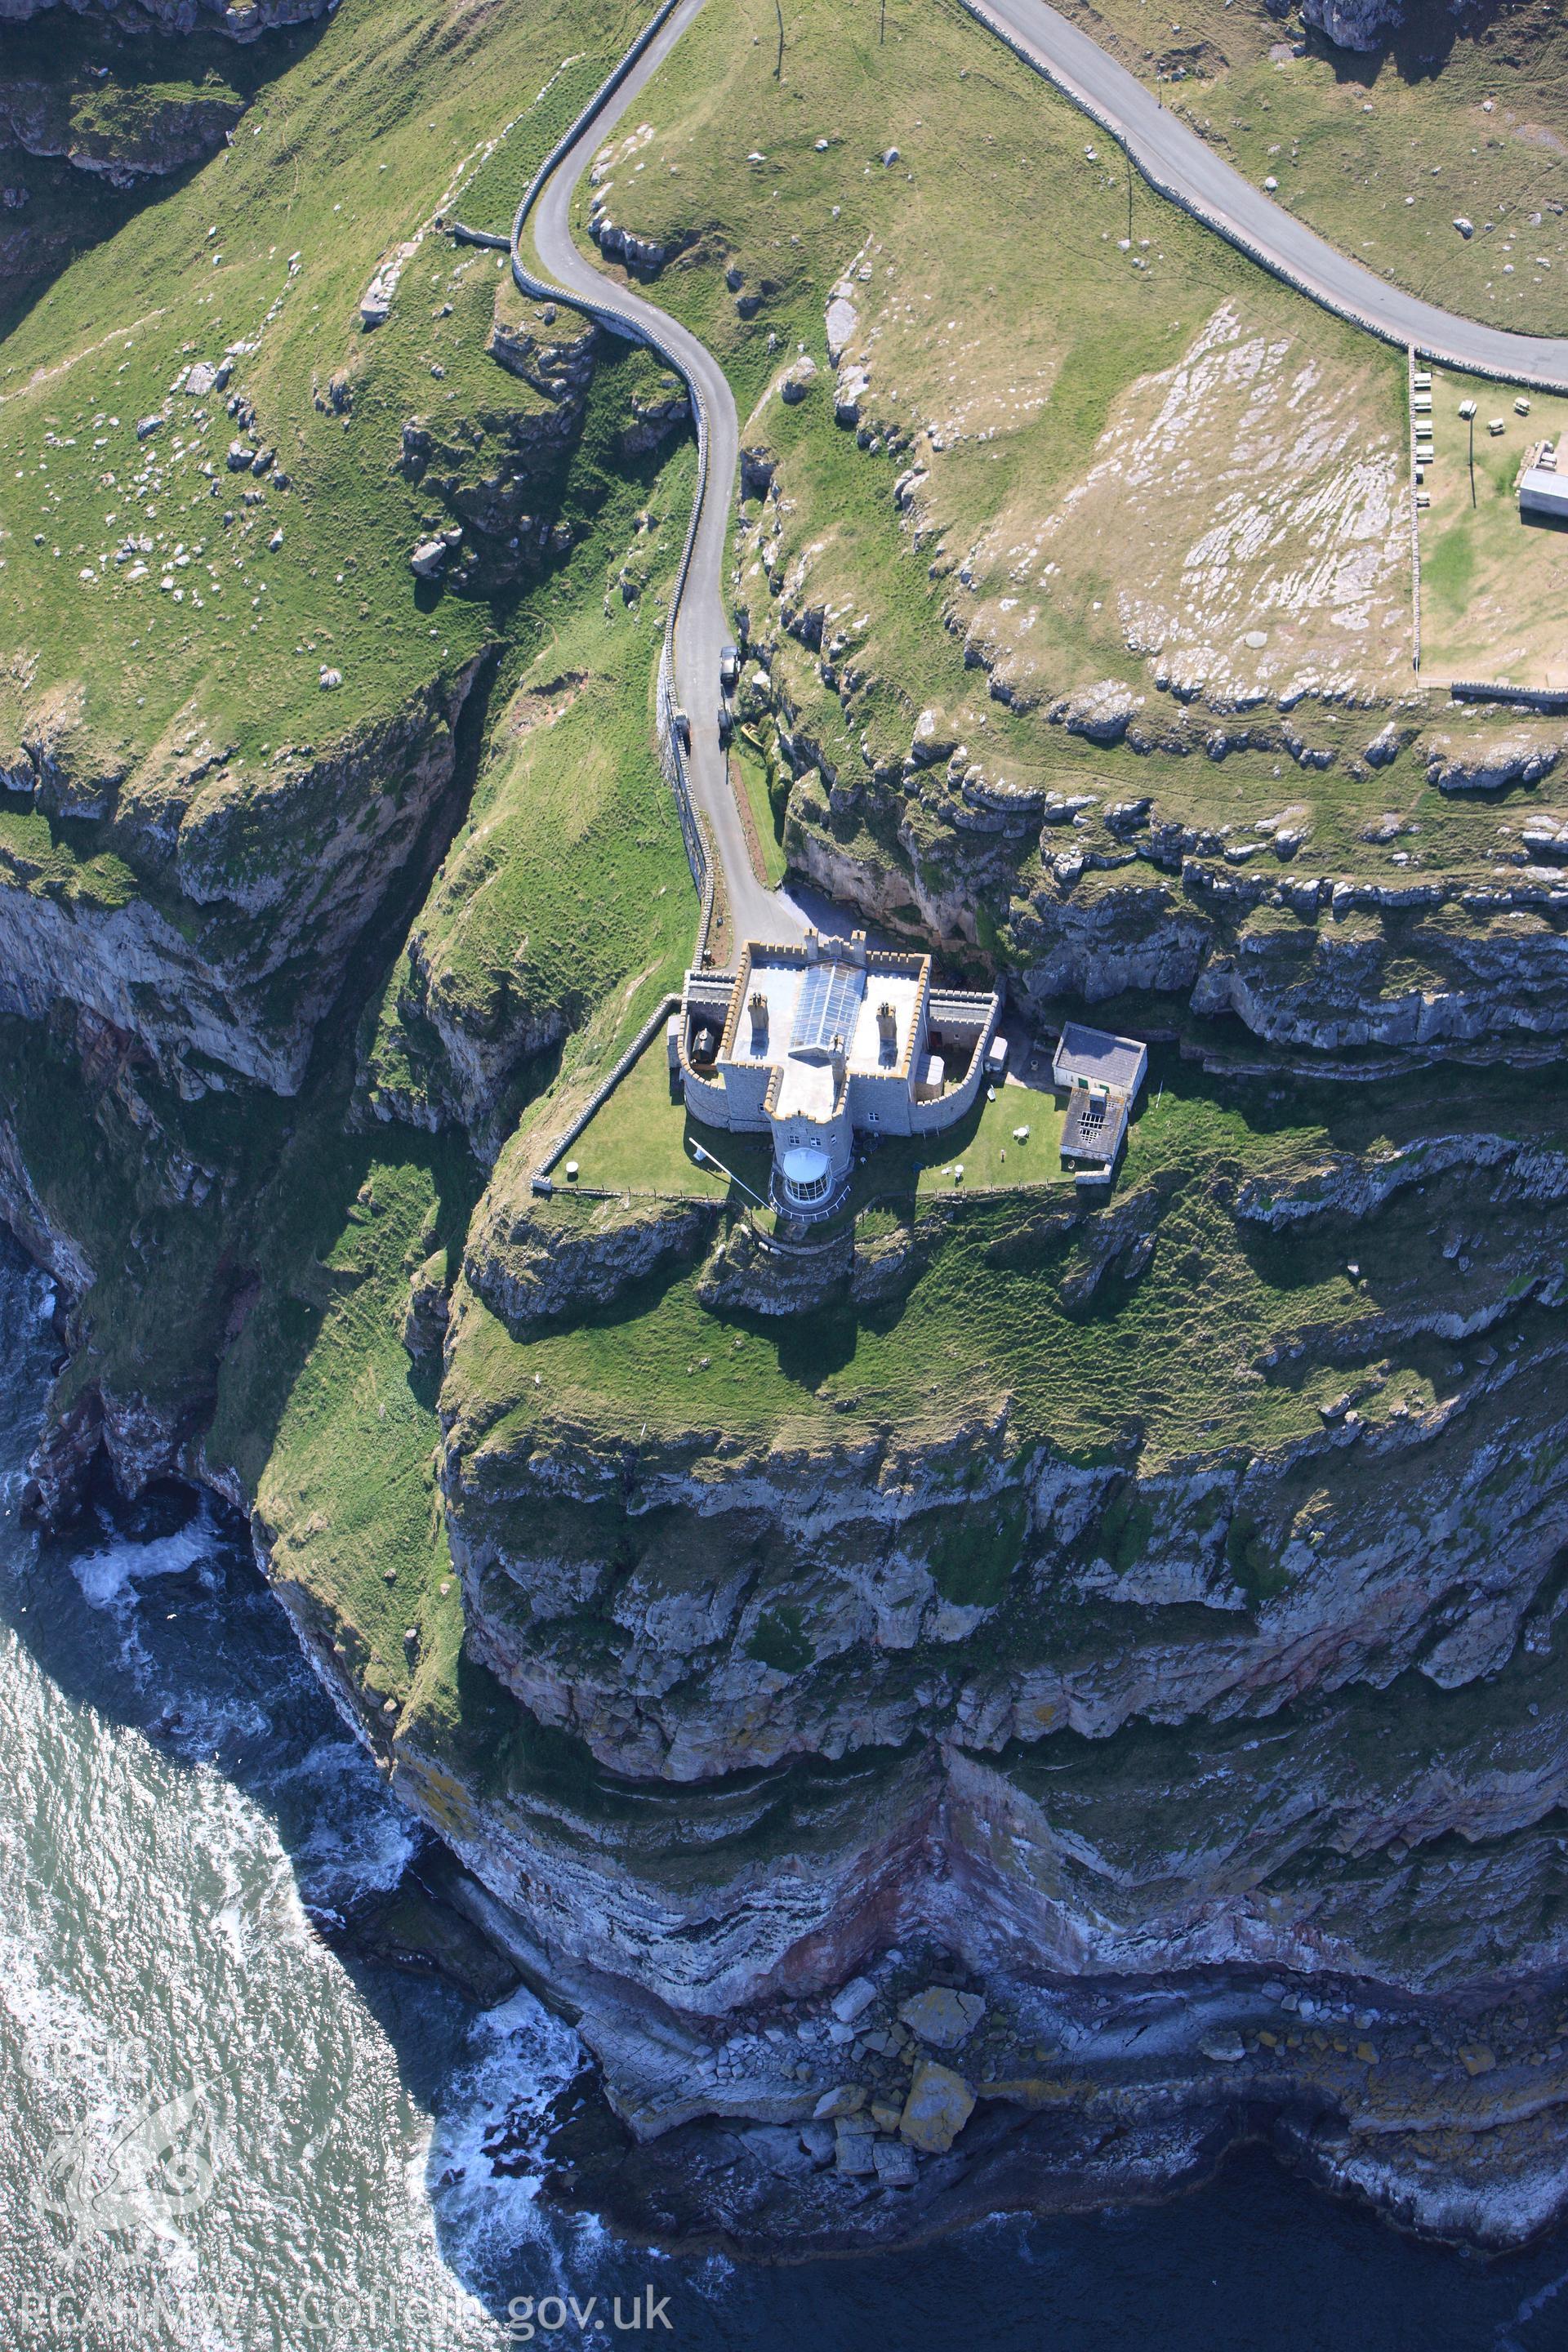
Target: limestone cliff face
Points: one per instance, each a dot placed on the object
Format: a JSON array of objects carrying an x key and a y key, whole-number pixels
[
  {"x": 135, "y": 141},
  {"x": 1307, "y": 963},
  {"x": 754, "y": 1736},
  {"x": 258, "y": 887},
  {"x": 1039, "y": 1664}
]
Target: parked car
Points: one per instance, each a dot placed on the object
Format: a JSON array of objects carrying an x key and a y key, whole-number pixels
[
  {"x": 729, "y": 668},
  {"x": 682, "y": 726},
  {"x": 725, "y": 722}
]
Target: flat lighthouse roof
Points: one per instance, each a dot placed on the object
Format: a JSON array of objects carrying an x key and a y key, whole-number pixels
[{"x": 810, "y": 1004}]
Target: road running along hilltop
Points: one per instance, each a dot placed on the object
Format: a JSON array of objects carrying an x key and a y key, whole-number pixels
[
  {"x": 1180, "y": 166},
  {"x": 699, "y": 625},
  {"x": 1171, "y": 156}
]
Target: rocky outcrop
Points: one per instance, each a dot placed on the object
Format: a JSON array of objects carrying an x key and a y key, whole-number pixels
[
  {"x": 1421, "y": 982},
  {"x": 1103, "y": 712},
  {"x": 119, "y": 134},
  {"x": 1354, "y": 24},
  {"x": 248, "y": 878},
  {"x": 643, "y": 254},
  {"x": 1490, "y": 765},
  {"x": 764, "y": 1277},
  {"x": 530, "y": 1263}
]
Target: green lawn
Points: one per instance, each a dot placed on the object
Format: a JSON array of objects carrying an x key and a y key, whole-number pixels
[
  {"x": 643, "y": 1138},
  {"x": 1492, "y": 587}
]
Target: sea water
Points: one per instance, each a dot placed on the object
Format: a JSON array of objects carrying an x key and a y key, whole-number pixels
[{"x": 218, "y": 2131}]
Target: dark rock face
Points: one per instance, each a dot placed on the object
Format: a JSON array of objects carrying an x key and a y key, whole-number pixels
[
  {"x": 241, "y": 20},
  {"x": 529, "y": 1264},
  {"x": 1354, "y": 24},
  {"x": 1008, "y": 1706},
  {"x": 286, "y": 883}
]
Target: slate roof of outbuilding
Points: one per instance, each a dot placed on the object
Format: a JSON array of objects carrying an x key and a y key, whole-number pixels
[{"x": 1095, "y": 1054}]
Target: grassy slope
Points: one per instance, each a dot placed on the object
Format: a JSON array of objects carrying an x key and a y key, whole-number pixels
[
  {"x": 346, "y": 153},
  {"x": 568, "y": 879},
  {"x": 1351, "y": 138},
  {"x": 265, "y": 1295},
  {"x": 1022, "y": 350},
  {"x": 1158, "y": 1357}
]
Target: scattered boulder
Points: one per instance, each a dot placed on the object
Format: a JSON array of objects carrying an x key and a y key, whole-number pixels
[
  {"x": 842, "y": 322},
  {"x": 1383, "y": 748},
  {"x": 1225, "y": 2047},
  {"x": 429, "y": 557},
  {"x": 798, "y": 380},
  {"x": 942, "y": 2017},
  {"x": 848, "y": 2099},
  {"x": 895, "y": 2163},
  {"x": 149, "y": 425},
  {"x": 852, "y": 1999},
  {"x": 240, "y": 456},
  {"x": 1101, "y": 712},
  {"x": 938, "y": 2106}
]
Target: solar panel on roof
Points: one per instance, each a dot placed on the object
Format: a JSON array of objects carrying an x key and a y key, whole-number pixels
[{"x": 830, "y": 999}]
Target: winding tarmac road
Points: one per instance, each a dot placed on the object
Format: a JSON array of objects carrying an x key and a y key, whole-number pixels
[
  {"x": 1172, "y": 158},
  {"x": 1175, "y": 159},
  {"x": 701, "y": 621}
]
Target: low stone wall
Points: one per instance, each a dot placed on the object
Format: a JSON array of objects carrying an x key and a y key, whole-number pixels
[{"x": 602, "y": 1093}]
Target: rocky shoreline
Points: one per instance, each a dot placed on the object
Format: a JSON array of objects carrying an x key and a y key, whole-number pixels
[
  {"x": 957, "y": 2105},
  {"x": 895, "y": 2090}
]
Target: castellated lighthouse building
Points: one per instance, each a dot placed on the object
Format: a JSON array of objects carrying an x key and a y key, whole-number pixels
[{"x": 821, "y": 1040}]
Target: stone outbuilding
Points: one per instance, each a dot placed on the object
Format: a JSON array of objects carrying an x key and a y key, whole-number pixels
[{"x": 1101, "y": 1075}]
